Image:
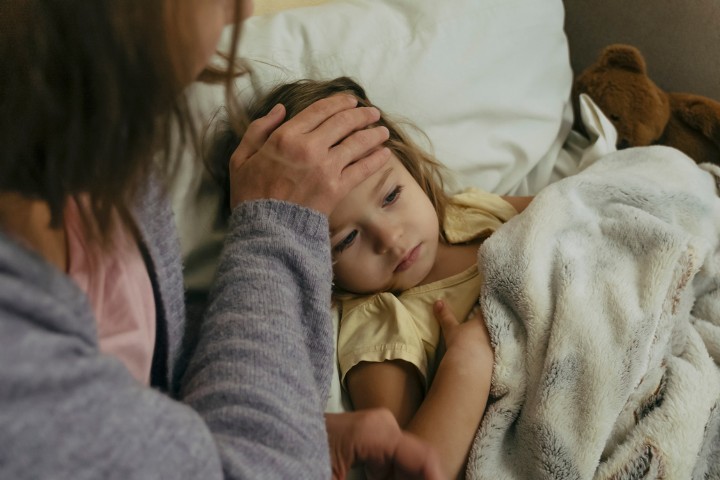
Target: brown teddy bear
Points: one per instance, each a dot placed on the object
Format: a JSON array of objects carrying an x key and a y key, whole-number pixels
[{"x": 644, "y": 114}]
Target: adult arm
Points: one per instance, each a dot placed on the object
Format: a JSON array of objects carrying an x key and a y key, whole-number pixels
[
  {"x": 262, "y": 367},
  {"x": 68, "y": 411},
  {"x": 448, "y": 416}
]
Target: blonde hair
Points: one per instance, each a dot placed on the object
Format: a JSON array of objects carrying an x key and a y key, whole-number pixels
[{"x": 296, "y": 96}]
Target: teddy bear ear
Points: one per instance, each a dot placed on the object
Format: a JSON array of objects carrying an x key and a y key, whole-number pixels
[{"x": 623, "y": 56}]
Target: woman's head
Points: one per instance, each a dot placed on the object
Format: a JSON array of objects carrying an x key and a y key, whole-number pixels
[{"x": 89, "y": 91}]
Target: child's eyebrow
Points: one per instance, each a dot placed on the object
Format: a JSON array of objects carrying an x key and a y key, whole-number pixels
[
  {"x": 377, "y": 189},
  {"x": 381, "y": 180}
]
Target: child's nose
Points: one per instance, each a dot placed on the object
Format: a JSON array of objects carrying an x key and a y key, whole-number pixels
[{"x": 386, "y": 237}]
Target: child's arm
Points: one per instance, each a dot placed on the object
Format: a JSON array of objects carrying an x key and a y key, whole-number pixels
[
  {"x": 449, "y": 415},
  {"x": 518, "y": 203}
]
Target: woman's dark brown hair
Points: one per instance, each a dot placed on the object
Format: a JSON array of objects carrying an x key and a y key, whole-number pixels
[
  {"x": 89, "y": 95},
  {"x": 296, "y": 96}
]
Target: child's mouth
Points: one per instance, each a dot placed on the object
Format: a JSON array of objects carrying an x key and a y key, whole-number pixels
[{"x": 408, "y": 260}]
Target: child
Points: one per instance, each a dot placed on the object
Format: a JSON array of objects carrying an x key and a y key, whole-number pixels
[{"x": 393, "y": 259}]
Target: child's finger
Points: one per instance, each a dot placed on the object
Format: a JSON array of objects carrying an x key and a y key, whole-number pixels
[{"x": 445, "y": 316}]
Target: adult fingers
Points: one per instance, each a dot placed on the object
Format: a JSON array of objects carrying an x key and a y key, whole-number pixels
[
  {"x": 359, "y": 143},
  {"x": 348, "y": 123},
  {"x": 411, "y": 459},
  {"x": 359, "y": 170},
  {"x": 320, "y": 111},
  {"x": 257, "y": 134},
  {"x": 388, "y": 452},
  {"x": 361, "y": 155},
  {"x": 415, "y": 459}
]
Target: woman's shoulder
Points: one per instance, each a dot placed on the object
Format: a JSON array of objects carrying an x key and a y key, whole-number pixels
[{"x": 36, "y": 296}]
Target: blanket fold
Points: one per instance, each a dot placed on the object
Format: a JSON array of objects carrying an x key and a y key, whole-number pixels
[{"x": 603, "y": 305}]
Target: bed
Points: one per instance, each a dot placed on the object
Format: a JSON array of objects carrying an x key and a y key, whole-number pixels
[{"x": 489, "y": 82}]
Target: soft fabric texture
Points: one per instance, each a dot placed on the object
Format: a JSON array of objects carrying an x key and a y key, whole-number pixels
[
  {"x": 257, "y": 381},
  {"x": 388, "y": 326},
  {"x": 603, "y": 305},
  {"x": 119, "y": 291}
]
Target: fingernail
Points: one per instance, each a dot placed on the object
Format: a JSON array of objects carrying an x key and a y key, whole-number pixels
[
  {"x": 439, "y": 305},
  {"x": 353, "y": 99},
  {"x": 276, "y": 109}
]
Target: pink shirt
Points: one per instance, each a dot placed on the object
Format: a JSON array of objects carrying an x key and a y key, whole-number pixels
[{"x": 118, "y": 287}]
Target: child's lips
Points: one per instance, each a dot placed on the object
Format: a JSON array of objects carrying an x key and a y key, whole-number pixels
[{"x": 408, "y": 260}]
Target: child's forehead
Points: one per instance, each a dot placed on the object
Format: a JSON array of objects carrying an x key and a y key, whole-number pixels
[
  {"x": 390, "y": 170},
  {"x": 393, "y": 167},
  {"x": 361, "y": 196}
]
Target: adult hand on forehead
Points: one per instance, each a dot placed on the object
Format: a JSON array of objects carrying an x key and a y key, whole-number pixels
[{"x": 313, "y": 159}]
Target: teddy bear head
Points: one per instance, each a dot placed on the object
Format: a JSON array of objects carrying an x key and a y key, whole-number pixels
[{"x": 619, "y": 84}]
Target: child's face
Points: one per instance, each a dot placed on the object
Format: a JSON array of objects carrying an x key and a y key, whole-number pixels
[{"x": 384, "y": 234}]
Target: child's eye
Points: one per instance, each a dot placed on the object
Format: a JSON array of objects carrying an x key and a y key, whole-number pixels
[
  {"x": 392, "y": 196},
  {"x": 345, "y": 242}
]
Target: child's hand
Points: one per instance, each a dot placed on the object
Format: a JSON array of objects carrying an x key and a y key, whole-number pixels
[
  {"x": 468, "y": 338},
  {"x": 450, "y": 415},
  {"x": 313, "y": 159}
]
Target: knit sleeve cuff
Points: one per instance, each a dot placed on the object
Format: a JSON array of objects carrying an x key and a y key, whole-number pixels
[{"x": 272, "y": 215}]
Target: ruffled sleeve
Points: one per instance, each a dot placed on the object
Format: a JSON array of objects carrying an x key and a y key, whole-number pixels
[
  {"x": 379, "y": 328},
  {"x": 473, "y": 213}
]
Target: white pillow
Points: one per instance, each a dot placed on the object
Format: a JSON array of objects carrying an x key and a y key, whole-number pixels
[{"x": 488, "y": 81}]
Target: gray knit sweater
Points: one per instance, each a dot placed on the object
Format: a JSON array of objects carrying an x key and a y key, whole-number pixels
[{"x": 253, "y": 394}]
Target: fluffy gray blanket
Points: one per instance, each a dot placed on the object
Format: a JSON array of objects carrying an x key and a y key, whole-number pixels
[{"x": 603, "y": 305}]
